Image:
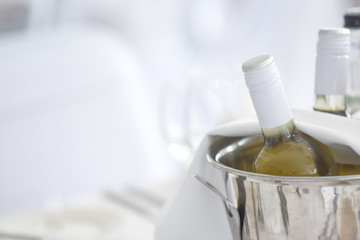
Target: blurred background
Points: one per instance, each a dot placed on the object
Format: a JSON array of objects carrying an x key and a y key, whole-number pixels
[{"x": 98, "y": 94}]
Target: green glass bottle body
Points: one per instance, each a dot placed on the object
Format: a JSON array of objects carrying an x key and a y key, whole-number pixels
[{"x": 289, "y": 152}]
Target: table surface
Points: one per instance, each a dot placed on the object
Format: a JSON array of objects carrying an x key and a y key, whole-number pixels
[{"x": 128, "y": 213}]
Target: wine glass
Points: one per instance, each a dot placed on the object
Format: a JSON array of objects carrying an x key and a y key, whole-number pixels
[{"x": 195, "y": 103}]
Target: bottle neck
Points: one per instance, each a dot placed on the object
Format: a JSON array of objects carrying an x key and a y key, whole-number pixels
[
  {"x": 266, "y": 91},
  {"x": 335, "y": 104},
  {"x": 271, "y": 106},
  {"x": 279, "y": 133}
]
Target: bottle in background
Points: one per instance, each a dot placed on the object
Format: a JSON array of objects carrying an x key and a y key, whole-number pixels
[
  {"x": 332, "y": 92},
  {"x": 286, "y": 150},
  {"x": 332, "y": 70},
  {"x": 352, "y": 22}
]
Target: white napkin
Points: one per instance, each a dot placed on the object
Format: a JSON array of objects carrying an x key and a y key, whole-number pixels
[{"x": 196, "y": 213}]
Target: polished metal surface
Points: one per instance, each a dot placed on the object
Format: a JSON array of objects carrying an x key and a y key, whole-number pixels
[{"x": 278, "y": 207}]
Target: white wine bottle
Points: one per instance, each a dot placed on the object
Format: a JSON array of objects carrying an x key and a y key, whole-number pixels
[
  {"x": 286, "y": 151},
  {"x": 331, "y": 73},
  {"x": 352, "y": 22}
]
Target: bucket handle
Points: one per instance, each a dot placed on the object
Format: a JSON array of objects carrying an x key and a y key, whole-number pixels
[
  {"x": 214, "y": 190},
  {"x": 232, "y": 212}
]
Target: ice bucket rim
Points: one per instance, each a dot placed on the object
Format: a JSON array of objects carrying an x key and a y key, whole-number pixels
[{"x": 287, "y": 180}]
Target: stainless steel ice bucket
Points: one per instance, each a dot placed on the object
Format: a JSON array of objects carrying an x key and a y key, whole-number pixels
[{"x": 275, "y": 207}]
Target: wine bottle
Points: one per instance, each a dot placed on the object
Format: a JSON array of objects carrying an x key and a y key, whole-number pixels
[
  {"x": 286, "y": 150},
  {"x": 332, "y": 70},
  {"x": 332, "y": 94},
  {"x": 352, "y": 22}
]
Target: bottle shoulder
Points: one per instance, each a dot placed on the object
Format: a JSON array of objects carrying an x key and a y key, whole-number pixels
[
  {"x": 288, "y": 158},
  {"x": 298, "y": 155}
]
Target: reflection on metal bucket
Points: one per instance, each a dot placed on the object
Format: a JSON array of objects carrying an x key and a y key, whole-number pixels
[{"x": 277, "y": 207}]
